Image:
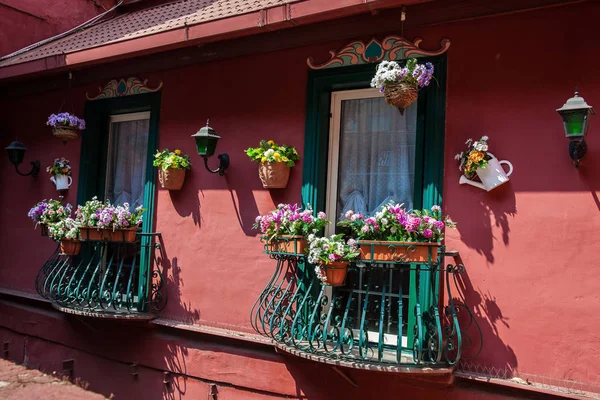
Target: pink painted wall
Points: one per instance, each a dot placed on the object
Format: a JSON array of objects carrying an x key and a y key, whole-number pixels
[
  {"x": 528, "y": 246},
  {"x": 25, "y": 22}
]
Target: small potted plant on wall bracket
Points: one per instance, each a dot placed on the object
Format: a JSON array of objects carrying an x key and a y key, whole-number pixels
[
  {"x": 66, "y": 126},
  {"x": 331, "y": 256},
  {"x": 171, "y": 168},
  {"x": 274, "y": 163},
  {"x": 400, "y": 85},
  {"x": 60, "y": 173},
  {"x": 477, "y": 162}
]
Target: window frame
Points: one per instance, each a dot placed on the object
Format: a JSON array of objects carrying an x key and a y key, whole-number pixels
[
  {"x": 94, "y": 151},
  {"x": 431, "y": 119}
]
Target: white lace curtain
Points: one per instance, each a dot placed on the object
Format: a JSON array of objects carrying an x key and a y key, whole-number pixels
[
  {"x": 377, "y": 155},
  {"x": 126, "y": 163}
]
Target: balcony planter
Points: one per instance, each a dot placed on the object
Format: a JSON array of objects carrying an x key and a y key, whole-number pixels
[
  {"x": 171, "y": 178},
  {"x": 274, "y": 175},
  {"x": 334, "y": 274},
  {"x": 287, "y": 244},
  {"x": 70, "y": 247},
  {"x": 375, "y": 250},
  {"x": 108, "y": 235},
  {"x": 171, "y": 168}
]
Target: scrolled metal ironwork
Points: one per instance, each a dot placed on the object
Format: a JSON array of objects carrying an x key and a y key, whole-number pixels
[
  {"x": 105, "y": 279},
  {"x": 388, "y": 313}
]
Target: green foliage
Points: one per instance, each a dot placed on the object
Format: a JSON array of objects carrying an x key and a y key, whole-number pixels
[
  {"x": 166, "y": 159},
  {"x": 269, "y": 151}
]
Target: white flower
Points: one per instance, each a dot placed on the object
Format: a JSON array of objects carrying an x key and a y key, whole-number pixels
[
  {"x": 311, "y": 237},
  {"x": 384, "y": 221},
  {"x": 269, "y": 153},
  {"x": 484, "y": 138},
  {"x": 468, "y": 142}
]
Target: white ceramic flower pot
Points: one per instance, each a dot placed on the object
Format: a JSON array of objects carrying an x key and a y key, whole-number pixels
[
  {"x": 62, "y": 182},
  {"x": 492, "y": 176}
]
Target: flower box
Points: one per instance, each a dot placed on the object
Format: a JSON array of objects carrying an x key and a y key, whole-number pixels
[
  {"x": 405, "y": 252},
  {"x": 70, "y": 247},
  {"x": 108, "y": 235},
  {"x": 287, "y": 244}
]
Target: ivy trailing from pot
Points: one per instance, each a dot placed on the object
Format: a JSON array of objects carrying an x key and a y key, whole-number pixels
[
  {"x": 400, "y": 85},
  {"x": 331, "y": 256},
  {"x": 477, "y": 162},
  {"x": 60, "y": 173},
  {"x": 171, "y": 168},
  {"x": 285, "y": 229},
  {"x": 274, "y": 161},
  {"x": 66, "y": 126}
]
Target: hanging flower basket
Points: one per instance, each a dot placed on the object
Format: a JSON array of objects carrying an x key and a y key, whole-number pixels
[
  {"x": 70, "y": 247},
  {"x": 44, "y": 229},
  {"x": 334, "y": 274},
  {"x": 65, "y": 126},
  {"x": 274, "y": 175},
  {"x": 171, "y": 178},
  {"x": 65, "y": 133},
  {"x": 401, "y": 95}
]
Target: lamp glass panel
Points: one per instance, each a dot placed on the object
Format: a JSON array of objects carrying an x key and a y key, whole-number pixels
[
  {"x": 206, "y": 146},
  {"x": 16, "y": 156},
  {"x": 575, "y": 123}
]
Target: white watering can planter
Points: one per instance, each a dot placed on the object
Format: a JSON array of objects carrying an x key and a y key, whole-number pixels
[
  {"x": 491, "y": 176},
  {"x": 62, "y": 182}
]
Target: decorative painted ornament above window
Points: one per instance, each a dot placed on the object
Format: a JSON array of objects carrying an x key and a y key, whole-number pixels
[
  {"x": 124, "y": 87},
  {"x": 391, "y": 48}
]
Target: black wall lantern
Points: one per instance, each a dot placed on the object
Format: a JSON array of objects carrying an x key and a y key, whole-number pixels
[
  {"x": 16, "y": 153},
  {"x": 206, "y": 144},
  {"x": 575, "y": 114}
]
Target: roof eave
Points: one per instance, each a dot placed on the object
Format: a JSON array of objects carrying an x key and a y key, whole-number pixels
[{"x": 279, "y": 17}]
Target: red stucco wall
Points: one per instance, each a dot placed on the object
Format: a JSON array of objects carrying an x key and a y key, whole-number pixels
[{"x": 528, "y": 247}]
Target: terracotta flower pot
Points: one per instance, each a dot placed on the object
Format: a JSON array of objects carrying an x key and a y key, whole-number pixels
[
  {"x": 373, "y": 250},
  {"x": 287, "y": 244},
  {"x": 401, "y": 95},
  {"x": 70, "y": 247},
  {"x": 172, "y": 178},
  {"x": 65, "y": 133},
  {"x": 274, "y": 175},
  {"x": 335, "y": 273},
  {"x": 108, "y": 235}
]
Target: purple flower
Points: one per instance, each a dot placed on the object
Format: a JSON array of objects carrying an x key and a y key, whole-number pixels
[
  {"x": 438, "y": 225},
  {"x": 351, "y": 242},
  {"x": 307, "y": 218},
  {"x": 428, "y": 233}
]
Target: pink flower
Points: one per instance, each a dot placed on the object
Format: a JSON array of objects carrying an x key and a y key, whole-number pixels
[
  {"x": 436, "y": 209},
  {"x": 428, "y": 233}
]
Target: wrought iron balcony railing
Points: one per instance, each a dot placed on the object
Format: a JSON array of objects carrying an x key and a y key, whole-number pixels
[
  {"x": 106, "y": 279},
  {"x": 388, "y": 314}
]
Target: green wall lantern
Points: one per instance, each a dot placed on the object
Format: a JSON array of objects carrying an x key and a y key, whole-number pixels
[
  {"x": 575, "y": 113},
  {"x": 206, "y": 144},
  {"x": 16, "y": 154}
]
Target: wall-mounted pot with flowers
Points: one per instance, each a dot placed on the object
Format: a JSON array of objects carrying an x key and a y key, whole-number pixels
[
  {"x": 274, "y": 163},
  {"x": 331, "y": 256},
  {"x": 171, "y": 168},
  {"x": 100, "y": 221},
  {"x": 66, "y": 231},
  {"x": 66, "y": 126},
  {"x": 60, "y": 173},
  {"x": 48, "y": 212},
  {"x": 477, "y": 162},
  {"x": 400, "y": 85},
  {"x": 396, "y": 235},
  {"x": 285, "y": 229}
]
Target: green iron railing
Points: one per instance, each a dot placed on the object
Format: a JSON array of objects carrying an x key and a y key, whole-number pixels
[
  {"x": 106, "y": 279},
  {"x": 388, "y": 313}
]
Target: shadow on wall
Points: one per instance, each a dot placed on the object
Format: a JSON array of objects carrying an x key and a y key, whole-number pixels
[
  {"x": 479, "y": 318},
  {"x": 181, "y": 202},
  {"x": 499, "y": 205},
  {"x": 175, "y": 381},
  {"x": 172, "y": 274}
]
